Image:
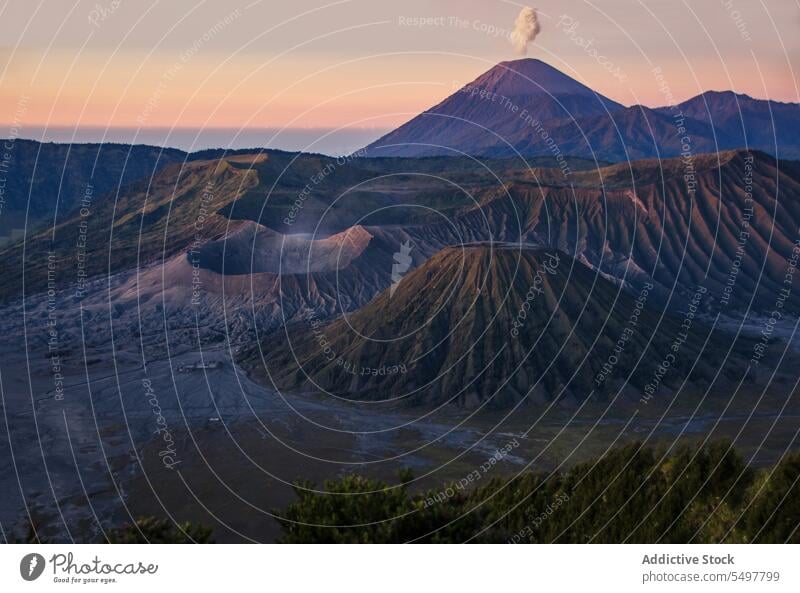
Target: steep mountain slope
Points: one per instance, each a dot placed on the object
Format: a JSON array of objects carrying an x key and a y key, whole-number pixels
[
  {"x": 149, "y": 221},
  {"x": 530, "y": 108},
  {"x": 643, "y": 221},
  {"x": 269, "y": 194},
  {"x": 502, "y": 107},
  {"x": 252, "y": 249},
  {"x": 634, "y": 222},
  {"x": 740, "y": 120},
  {"x": 183, "y": 301},
  {"x": 484, "y": 324},
  {"x": 40, "y": 178},
  {"x": 173, "y": 257},
  {"x": 630, "y": 134}
]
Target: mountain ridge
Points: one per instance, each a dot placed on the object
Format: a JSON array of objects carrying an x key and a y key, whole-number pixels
[
  {"x": 527, "y": 107},
  {"x": 480, "y": 324}
]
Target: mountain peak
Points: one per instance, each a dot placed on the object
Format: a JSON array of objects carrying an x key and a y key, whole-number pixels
[
  {"x": 438, "y": 335},
  {"x": 530, "y": 77},
  {"x": 497, "y": 111}
]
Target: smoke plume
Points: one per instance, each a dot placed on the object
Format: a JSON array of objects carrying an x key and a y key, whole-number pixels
[{"x": 526, "y": 28}]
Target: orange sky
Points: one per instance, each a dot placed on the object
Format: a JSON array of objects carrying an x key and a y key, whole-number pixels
[{"x": 358, "y": 63}]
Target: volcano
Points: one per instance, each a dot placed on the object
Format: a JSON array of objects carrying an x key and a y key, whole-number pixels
[
  {"x": 527, "y": 107},
  {"x": 741, "y": 120},
  {"x": 498, "y": 110},
  {"x": 486, "y": 324}
]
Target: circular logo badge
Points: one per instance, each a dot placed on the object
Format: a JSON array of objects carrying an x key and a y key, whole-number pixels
[{"x": 31, "y": 566}]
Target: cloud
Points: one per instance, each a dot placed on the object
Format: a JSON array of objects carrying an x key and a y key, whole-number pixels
[{"x": 526, "y": 28}]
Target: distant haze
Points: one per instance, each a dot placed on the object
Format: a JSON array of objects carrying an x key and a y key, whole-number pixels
[
  {"x": 321, "y": 140},
  {"x": 360, "y": 64}
]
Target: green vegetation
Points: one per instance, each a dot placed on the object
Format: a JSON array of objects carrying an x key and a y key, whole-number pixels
[
  {"x": 632, "y": 494},
  {"x": 149, "y": 530}
]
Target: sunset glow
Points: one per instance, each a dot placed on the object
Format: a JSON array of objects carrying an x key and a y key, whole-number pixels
[{"x": 360, "y": 65}]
